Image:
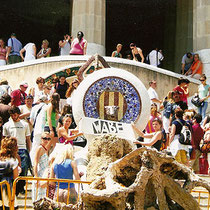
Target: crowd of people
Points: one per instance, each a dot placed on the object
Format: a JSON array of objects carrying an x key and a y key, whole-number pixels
[
  {"x": 14, "y": 51},
  {"x": 33, "y": 122},
  {"x": 172, "y": 120},
  {"x": 36, "y": 121}
]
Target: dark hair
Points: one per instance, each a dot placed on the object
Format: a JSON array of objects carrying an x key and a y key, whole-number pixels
[
  {"x": 5, "y": 99},
  {"x": 39, "y": 80},
  {"x": 181, "y": 80},
  {"x": 62, "y": 75},
  {"x": 67, "y": 115},
  {"x": 179, "y": 113},
  {"x": 55, "y": 98},
  {"x": 66, "y": 110},
  {"x": 189, "y": 54},
  {"x": 158, "y": 120},
  {"x": 80, "y": 35},
  {"x": 198, "y": 118},
  {"x": 1, "y": 119},
  {"x": 203, "y": 76},
  {"x": 29, "y": 96},
  {"x": 14, "y": 110},
  {"x": 132, "y": 44}
]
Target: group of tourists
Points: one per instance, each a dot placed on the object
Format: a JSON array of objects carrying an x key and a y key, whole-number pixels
[
  {"x": 14, "y": 52},
  {"x": 154, "y": 58},
  {"x": 29, "y": 121},
  {"x": 177, "y": 126}
]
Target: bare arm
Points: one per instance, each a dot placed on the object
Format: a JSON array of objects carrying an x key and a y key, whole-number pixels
[
  {"x": 183, "y": 65},
  {"x": 75, "y": 170},
  {"x": 113, "y": 54},
  {"x": 62, "y": 132},
  {"x": 49, "y": 113},
  {"x": 172, "y": 134},
  {"x": 85, "y": 48},
  {"x": 8, "y": 52},
  {"x": 28, "y": 143},
  {"x": 154, "y": 139},
  {"x": 36, "y": 161},
  {"x": 21, "y": 53},
  {"x": 15, "y": 173},
  {"x": 39, "y": 54},
  {"x": 34, "y": 49},
  {"x": 62, "y": 43},
  {"x": 134, "y": 57},
  {"x": 140, "y": 133},
  {"x": 141, "y": 55},
  {"x": 47, "y": 53},
  {"x": 52, "y": 174}
]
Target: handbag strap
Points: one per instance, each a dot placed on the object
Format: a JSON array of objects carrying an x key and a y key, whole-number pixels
[{"x": 37, "y": 115}]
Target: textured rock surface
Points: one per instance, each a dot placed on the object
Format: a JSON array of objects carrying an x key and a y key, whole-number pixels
[
  {"x": 103, "y": 151},
  {"x": 142, "y": 179}
]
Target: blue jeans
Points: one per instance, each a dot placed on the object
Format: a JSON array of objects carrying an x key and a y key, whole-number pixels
[{"x": 202, "y": 110}]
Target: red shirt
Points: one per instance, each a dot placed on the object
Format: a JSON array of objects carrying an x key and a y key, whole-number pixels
[
  {"x": 183, "y": 96},
  {"x": 197, "y": 135},
  {"x": 18, "y": 97}
]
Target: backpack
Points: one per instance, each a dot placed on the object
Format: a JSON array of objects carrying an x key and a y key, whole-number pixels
[
  {"x": 185, "y": 135},
  {"x": 167, "y": 110}
]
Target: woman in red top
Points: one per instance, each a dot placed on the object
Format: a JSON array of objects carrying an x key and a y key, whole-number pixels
[
  {"x": 196, "y": 68},
  {"x": 3, "y": 52}
]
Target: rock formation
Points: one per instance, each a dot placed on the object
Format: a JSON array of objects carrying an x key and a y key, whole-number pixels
[
  {"x": 104, "y": 150},
  {"x": 142, "y": 179}
]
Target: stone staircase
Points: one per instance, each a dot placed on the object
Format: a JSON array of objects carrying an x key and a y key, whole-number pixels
[{"x": 29, "y": 203}]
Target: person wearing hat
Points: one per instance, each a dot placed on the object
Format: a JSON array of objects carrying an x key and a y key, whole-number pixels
[
  {"x": 79, "y": 45},
  {"x": 18, "y": 96},
  {"x": 13, "y": 52}
]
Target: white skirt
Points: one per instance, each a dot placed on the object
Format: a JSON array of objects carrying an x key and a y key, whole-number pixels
[
  {"x": 175, "y": 146},
  {"x": 166, "y": 124},
  {"x": 2, "y": 62}
]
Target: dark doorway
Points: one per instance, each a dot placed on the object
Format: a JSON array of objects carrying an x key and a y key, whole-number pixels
[
  {"x": 35, "y": 20},
  {"x": 149, "y": 24}
]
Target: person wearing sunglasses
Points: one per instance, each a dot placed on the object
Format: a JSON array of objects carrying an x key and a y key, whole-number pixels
[
  {"x": 41, "y": 162},
  {"x": 203, "y": 92}
]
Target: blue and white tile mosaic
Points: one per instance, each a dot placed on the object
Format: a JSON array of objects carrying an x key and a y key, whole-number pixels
[{"x": 114, "y": 84}]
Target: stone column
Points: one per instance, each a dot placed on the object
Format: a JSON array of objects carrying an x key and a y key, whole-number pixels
[
  {"x": 89, "y": 17},
  {"x": 201, "y": 32},
  {"x": 184, "y": 31}
]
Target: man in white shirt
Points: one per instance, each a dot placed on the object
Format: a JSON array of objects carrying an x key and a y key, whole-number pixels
[
  {"x": 153, "y": 94},
  {"x": 155, "y": 57},
  {"x": 20, "y": 130}
]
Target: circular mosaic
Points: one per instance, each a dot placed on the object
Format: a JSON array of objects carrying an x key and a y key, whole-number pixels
[{"x": 112, "y": 91}]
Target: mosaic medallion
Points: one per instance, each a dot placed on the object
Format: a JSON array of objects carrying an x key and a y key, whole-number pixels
[{"x": 112, "y": 91}]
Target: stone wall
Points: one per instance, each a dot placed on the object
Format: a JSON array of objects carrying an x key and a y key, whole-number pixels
[{"x": 29, "y": 71}]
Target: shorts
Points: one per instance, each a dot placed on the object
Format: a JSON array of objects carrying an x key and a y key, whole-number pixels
[
  {"x": 47, "y": 129},
  {"x": 63, "y": 195},
  {"x": 181, "y": 156},
  {"x": 195, "y": 162}
]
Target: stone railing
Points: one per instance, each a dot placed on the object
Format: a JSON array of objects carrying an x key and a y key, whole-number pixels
[{"x": 30, "y": 70}]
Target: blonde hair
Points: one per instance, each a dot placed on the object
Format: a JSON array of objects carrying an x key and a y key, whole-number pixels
[
  {"x": 119, "y": 45},
  {"x": 170, "y": 97},
  {"x": 66, "y": 153}
]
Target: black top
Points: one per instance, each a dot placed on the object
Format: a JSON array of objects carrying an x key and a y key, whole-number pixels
[
  {"x": 61, "y": 89},
  {"x": 178, "y": 125}
]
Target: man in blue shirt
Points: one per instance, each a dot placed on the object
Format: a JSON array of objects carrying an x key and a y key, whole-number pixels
[{"x": 14, "y": 47}]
